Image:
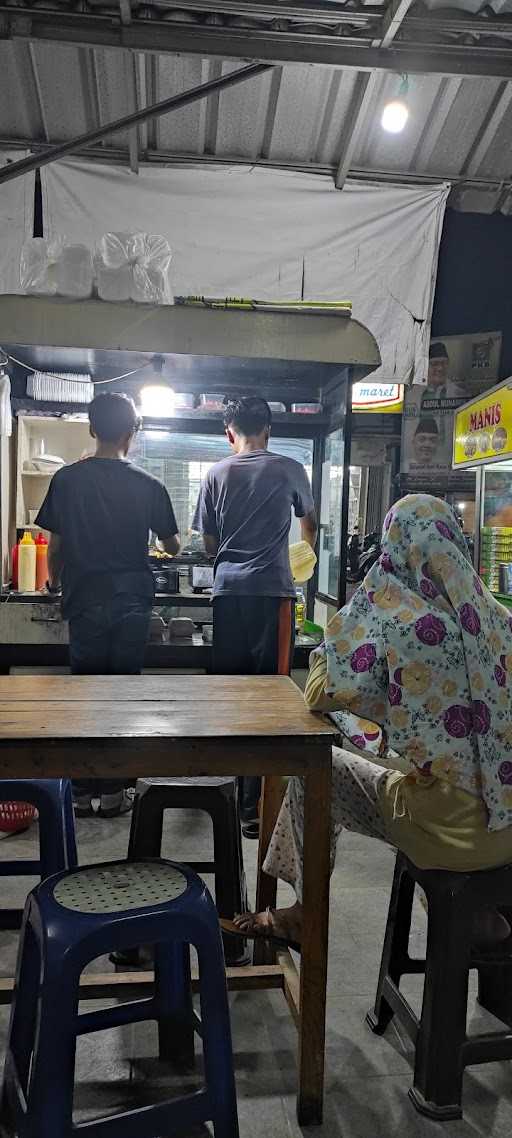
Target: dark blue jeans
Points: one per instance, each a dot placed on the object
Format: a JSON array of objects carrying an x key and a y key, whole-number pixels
[
  {"x": 252, "y": 636},
  {"x": 108, "y": 639}
]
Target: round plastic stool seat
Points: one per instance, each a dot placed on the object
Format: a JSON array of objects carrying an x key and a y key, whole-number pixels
[{"x": 132, "y": 885}]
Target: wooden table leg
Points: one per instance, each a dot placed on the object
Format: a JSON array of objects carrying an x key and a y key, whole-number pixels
[
  {"x": 272, "y": 794},
  {"x": 315, "y": 938}
]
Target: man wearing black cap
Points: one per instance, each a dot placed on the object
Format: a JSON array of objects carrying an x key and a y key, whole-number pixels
[
  {"x": 439, "y": 384},
  {"x": 425, "y": 442}
]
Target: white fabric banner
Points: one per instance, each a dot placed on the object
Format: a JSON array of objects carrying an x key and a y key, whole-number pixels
[
  {"x": 238, "y": 231},
  {"x": 16, "y": 221}
]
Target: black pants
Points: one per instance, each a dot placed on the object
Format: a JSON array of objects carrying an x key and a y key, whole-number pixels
[
  {"x": 252, "y": 636},
  {"x": 108, "y": 639}
]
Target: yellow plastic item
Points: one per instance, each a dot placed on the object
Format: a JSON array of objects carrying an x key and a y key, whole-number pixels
[
  {"x": 27, "y": 564},
  {"x": 302, "y": 561}
]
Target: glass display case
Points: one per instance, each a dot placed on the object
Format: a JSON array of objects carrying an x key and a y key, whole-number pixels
[
  {"x": 331, "y": 513},
  {"x": 483, "y": 442},
  {"x": 181, "y": 461},
  {"x": 495, "y": 553}
]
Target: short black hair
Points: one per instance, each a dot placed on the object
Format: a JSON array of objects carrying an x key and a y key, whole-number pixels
[
  {"x": 249, "y": 415},
  {"x": 427, "y": 427},
  {"x": 113, "y": 416}
]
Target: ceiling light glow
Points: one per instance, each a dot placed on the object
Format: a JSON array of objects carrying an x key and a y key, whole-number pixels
[{"x": 394, "y": 116}]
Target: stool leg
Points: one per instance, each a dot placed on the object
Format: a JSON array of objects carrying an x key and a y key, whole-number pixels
[
  {"x": 495, "y": 984},
  {"x": 395, "y": 952},
  {"x": 216, "y": 1030},
  {"x": 53, "y": 840},
  {"x": 266, "y": 888},
  {"x": 495, "y": 990},
  {"x": 230, "y": 891},
  {"x": 173, "y": 996},
  {"x": 69, "y": 824},
  {"x": 50, "y": 1095},
  {"x": 146, "y": 826},
  {"x": 24, "y": 1004},
  {"x": 438, "y": 1069}
]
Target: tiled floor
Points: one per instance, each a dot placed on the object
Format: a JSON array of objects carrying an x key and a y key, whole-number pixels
[{"x": 366, "y": 1078}]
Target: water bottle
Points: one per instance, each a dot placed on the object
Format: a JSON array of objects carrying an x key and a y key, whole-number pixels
[{"x": 300, "y": 610}]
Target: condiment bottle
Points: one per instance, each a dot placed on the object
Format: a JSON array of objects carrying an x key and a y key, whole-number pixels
[
  {"x": 300, "y": 610},
  {"x": 14, "y": 566},
  {"x": 27, "y": 564},
  {"x": 41, "y": 545}
]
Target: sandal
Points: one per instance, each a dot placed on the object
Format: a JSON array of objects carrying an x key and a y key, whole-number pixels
[
  {"x": 113, "y": 805},
  {"x": 259, "y": 932}
]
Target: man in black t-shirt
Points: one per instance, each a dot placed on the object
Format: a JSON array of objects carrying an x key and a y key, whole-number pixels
[{"x": 99, "y": 513}]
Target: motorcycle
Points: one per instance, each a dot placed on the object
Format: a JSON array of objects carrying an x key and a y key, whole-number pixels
[{"x": 362, "y": 557}]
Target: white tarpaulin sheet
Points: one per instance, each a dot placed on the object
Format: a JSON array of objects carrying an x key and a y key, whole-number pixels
[
  {"x": 269, "y": 234},
  {"x": 16, "y": 221}
]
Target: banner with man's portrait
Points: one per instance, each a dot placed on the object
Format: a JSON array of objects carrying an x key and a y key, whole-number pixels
[{"x": 459, "y": 368}]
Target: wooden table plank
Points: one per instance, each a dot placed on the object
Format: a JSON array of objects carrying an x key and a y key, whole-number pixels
[
  {"x": 106, "y": 689},
  {"x": 73, "y": 721}
]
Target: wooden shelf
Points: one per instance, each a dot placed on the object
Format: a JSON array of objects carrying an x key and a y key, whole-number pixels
[{"x": 38, "y": 436}]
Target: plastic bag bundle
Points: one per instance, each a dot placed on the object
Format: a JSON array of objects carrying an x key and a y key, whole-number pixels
[
  {"x": 75, "y": 273},
  {"x": 134, "y": 266},
  {"x": 152, "y": 271},
  {"x": 113, "y": 283},
  {"x": 126, "y": 266},
  {"x": 38, "y": 265}
]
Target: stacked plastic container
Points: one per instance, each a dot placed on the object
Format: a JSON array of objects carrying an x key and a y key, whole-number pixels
[{"x": 124, "y": 267}]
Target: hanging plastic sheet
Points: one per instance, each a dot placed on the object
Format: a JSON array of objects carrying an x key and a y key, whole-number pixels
[
  {"x": 16, "y": 221},
  {"x": 275, "y": 234}
]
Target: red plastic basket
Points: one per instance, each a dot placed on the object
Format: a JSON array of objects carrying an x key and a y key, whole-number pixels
[{"x": 16, "y": 816}]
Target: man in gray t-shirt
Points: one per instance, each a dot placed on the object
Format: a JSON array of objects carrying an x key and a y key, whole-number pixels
[{"x": 244, "y": 513}]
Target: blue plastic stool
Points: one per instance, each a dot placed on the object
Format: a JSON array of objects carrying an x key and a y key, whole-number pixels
[
  {"x": 53, "y": 800},
  {"x": 70, "y": 920}
]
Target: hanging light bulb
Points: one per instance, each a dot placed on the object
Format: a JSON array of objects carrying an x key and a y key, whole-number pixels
[
  {"x": 396, "y": 112},
  {"x": 157, "y": 401}
]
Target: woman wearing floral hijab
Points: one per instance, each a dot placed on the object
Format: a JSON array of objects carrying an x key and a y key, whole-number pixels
[{"x": 425, "y": 652}]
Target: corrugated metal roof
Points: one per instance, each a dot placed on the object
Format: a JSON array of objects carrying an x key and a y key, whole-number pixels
[{"x": 300, "y": 114}]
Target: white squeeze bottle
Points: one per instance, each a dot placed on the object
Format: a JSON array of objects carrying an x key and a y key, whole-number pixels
[{"x": 27, "y": 564}]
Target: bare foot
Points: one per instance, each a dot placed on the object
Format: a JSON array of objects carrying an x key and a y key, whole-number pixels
[{"x": 283, "y": 923}]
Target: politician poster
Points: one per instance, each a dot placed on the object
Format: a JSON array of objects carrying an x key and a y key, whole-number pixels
[{"x": 459, "y": 368}]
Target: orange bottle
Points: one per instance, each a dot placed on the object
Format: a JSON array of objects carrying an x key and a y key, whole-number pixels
[{"x": 41, "y": 561}]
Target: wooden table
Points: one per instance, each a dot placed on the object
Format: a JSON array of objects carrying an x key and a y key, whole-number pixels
[{"x": 134, "y": 726}]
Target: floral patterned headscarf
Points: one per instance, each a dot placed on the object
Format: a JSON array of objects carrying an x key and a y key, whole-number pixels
[{"x": 424, "y": 651}]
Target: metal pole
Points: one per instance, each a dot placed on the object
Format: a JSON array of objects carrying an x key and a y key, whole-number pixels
[
  {"x": 174, "y": 103},
  {"x": 346, "y": 409}
]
